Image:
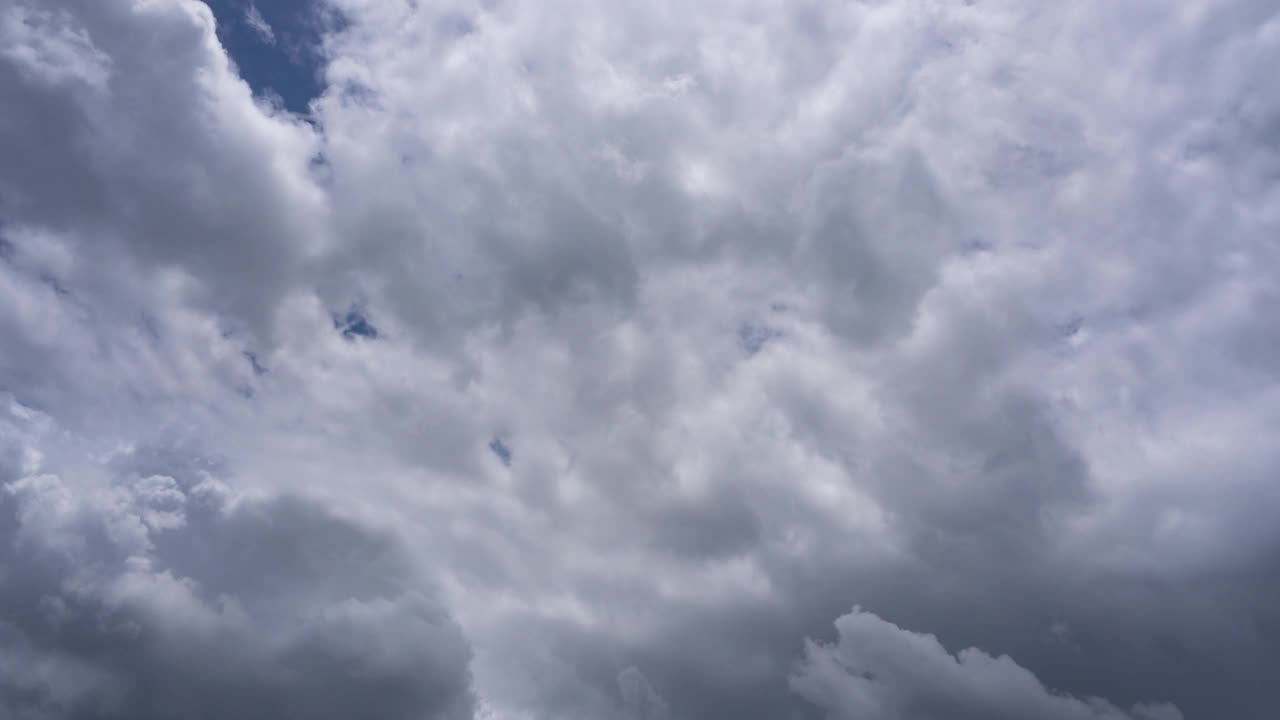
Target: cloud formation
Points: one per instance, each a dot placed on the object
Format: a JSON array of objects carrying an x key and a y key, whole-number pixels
[
  {"x": 878, "y": 671},
  {"x": 587, "y": 358},
  {"x": 168, "y": 597}
]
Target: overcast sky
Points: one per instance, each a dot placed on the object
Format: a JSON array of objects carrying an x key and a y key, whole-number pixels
[{"x": 752, "y": 359}]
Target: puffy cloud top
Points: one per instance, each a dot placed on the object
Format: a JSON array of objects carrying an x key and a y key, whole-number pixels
[
  {"x": 163, "y": 598},
  {"x": 878, "y": 671}
]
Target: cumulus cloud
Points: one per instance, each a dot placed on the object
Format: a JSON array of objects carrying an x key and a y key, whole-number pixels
[
  {"x": 133, "y": 160},
  {"x": 877, "y": 671},
  {"x": 169, "y": 597},
  {"x": 659, "y": 336}
]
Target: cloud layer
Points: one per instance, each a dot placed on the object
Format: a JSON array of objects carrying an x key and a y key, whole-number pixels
[{"x": 581, "y": 360}]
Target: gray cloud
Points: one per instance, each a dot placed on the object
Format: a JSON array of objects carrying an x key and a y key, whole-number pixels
[
  {"x": 878, "y": 671},
  {"x": 133, "y": 157},
  {"x": 169, "y": 599},
  {"x": 694, "y": 327}
]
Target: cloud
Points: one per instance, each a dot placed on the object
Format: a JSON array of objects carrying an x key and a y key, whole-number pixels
[
  {"x": 136, "y": 156},
  {"x": 877, "y": 671},
  {"x": 253, "y": 18},
  {"x": 657, "y": 336},
  {"x": 165, "y": 599}
]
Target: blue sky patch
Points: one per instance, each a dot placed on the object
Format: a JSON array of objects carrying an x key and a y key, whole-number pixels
[
  {"x": 753, "y": 337},
  {"x": 276, "y": 46},
  {"x": 501, "y": 450},
  {"x": 353, "y": 324},
  {"x": 258, "y": 368}
]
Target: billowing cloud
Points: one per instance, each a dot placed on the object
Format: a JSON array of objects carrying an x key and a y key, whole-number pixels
[
  {"x": 169, "y": 597},
  {"x": 877, "y": 671},
  {"x": 647, "y": 339},
  {"x": 152, "y": 166}
]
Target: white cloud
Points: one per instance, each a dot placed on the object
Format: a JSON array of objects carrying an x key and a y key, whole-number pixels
[
  {"x": 878, "y": 671},
  {"x": 170, "y": 597},
  {"x": 956, "y": 311},
  {"x": 253, "y": 18},
  {"x": 48, "y": 49}
]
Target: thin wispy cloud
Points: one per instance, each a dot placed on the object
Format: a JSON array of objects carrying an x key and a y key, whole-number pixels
[{"x": 253, "y": 18}]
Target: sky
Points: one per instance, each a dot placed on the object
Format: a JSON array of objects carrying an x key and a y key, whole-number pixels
[
  {"x": 277, "y": 47},
  {"x": 478, "y": 359}
]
